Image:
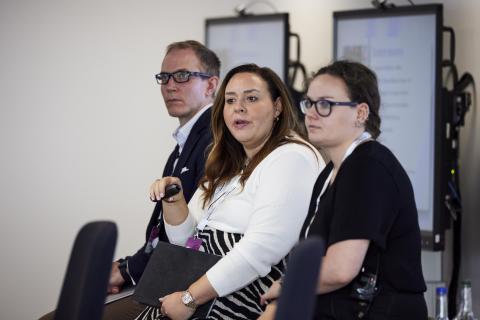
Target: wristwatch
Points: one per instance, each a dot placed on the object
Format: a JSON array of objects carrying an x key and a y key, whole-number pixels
[{"x": 188, "y": 300}]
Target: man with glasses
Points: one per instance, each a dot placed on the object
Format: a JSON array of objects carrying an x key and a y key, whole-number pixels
[{"x": 188, "y": 80}]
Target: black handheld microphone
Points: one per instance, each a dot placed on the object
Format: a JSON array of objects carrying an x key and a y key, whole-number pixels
[{"x": 170, "y": 191}]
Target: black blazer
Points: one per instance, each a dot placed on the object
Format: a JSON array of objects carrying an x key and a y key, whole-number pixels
[{"x": 190, "y": 169}]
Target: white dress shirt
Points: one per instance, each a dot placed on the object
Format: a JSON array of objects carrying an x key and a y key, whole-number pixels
[{"x": 181, "y": 133}]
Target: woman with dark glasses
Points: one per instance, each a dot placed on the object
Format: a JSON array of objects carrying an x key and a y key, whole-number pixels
[{"x": 362, "y": 205}]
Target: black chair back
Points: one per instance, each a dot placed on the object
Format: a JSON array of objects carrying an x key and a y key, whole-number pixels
[
  {"x": 297, "y": 299},
  {"x": 86, "y": 279}
]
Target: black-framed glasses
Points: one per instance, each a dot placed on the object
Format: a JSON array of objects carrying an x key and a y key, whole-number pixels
[
  {"x": 323, "y": 106},
  {"x": 179, "y": 76}
]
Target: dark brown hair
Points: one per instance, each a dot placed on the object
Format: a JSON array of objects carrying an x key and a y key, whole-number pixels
[
  {"x": 361, "y": 84},
  {"x": 209, "y": 60},
  {"x": 227, "y": 157}
]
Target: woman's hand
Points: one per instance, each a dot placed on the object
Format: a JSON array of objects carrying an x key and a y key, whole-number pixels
[
  {"x": 269, "y": 313},
  {"x": 157, "y": 189},
  {"x": 272, "y": 293},
  {"x": 175, "y": 209},
  {"x": 173, "y": 307}
]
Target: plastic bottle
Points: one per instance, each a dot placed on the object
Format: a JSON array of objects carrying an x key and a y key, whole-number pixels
[
  {"x": 441, "y": 306},
  {"x": 465, "y": 311}
]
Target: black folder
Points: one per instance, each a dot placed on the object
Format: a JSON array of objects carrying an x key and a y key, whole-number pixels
[{"x": 173, "y": 268}]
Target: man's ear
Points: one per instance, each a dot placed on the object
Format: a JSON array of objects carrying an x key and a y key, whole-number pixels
[{"x": 212, "y": 86}]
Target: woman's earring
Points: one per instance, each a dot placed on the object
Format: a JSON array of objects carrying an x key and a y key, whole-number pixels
[{"x": 358, "y": 124}]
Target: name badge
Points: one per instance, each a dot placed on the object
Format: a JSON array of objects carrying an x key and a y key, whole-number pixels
[
  {"x": 193, "y": 243},
  {"x": 152, "y": 240},
  {"x": 153, "y": 234}
]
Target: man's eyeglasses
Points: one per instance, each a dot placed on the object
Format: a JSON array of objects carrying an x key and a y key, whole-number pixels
[
  {"x": 323, "y": 106},
  {"x": 179, "y": 76}
]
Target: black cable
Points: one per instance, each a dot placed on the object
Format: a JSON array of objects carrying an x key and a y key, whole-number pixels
[
  {"x": 463, "y": 99},
  {"x": 453, "y": 70},
  {"x": 460, "y": 105},
  {"x": 457, "y": 255},
  {"x": 457, "y": 238},
  {"x": 455, "y": 196},
  {"x": 296, "y": 36},
  {"x": 474, "y": 94},
  {"x": 241, "y": 9},
  {"x": 452, "y": 42},
  {"x": 454, "y": 185},
  {"x": 294, "y": 63},
  {"x": 460, "y": 108},
  {"x": 465, "y": 80},
  {"x": 382, "y": 4}
]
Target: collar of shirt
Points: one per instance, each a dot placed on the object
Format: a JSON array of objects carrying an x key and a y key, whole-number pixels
[{"x": 181, "y": 133}]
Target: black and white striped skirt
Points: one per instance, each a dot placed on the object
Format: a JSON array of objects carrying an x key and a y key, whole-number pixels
[{"x": 241, "y": 304}]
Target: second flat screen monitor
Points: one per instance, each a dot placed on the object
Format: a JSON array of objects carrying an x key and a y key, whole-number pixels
[{"x": 403, "y": 47}]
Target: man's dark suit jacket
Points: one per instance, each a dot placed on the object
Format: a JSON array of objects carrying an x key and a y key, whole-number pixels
[{"x": 192, "y": 163}]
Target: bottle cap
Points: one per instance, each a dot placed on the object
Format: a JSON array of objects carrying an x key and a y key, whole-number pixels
[
  {"x": 466, "y": 283},
  {"x": 441, "y": 290}
]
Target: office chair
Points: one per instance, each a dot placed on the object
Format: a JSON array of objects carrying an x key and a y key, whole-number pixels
[
  {"x": 86, "y": 279},
  {"x": 297, "y": 299}
]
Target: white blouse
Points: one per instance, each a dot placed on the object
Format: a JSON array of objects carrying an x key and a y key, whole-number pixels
[{"x": 269, "y": 211}]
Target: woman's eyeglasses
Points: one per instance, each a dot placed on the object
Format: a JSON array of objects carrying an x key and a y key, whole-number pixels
[{"x": 323, "y": 106}]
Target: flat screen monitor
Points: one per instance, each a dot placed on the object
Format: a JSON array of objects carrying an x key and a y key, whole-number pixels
[
  {"x": 403, "y": 45},
  {"x": 259, "y": 39}
]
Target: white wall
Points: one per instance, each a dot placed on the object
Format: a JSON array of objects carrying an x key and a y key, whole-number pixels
[{"x": 83, "y": 128}]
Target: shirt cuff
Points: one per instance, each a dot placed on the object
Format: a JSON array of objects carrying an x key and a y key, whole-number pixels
[
  {"x": 180, "y": 233},
  {"x": 129, "y": 275},
  {"x": 125, "y": 272}
]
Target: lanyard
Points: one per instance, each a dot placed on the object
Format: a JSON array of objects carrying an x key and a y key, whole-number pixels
[
  {"x": 365, "y": 136},
  {"x": 219, "y": 196}
]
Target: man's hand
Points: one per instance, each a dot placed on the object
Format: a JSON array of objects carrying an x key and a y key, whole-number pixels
[{"x": 116, "y": 280}]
